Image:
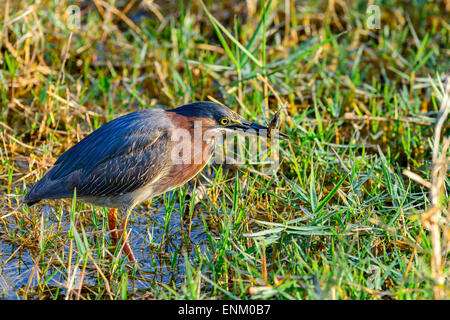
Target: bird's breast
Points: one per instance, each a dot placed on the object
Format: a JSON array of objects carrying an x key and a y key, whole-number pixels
[{"x": 180, "y": 173}]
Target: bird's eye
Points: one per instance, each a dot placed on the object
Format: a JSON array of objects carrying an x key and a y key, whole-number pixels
[{"x": 224, "y": 121}]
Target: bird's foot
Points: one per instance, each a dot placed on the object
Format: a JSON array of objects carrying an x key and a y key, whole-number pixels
[
  {"x": 125, "y": 244},
  {"x": 119, "y": 236}
]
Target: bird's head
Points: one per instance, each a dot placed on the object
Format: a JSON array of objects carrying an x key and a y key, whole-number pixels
[{"x": 219, "y": 117}]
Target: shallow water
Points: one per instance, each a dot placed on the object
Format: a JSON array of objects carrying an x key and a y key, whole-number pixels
[{"x": 159, "y": 254}]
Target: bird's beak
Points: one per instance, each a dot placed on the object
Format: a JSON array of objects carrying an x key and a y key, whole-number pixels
[{"x": 253, "y": 128}]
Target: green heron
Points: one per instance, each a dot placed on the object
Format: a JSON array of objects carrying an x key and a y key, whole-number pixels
[{"x": 134, "y": 158}]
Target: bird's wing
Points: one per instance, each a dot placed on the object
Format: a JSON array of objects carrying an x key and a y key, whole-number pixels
[
  {"x": 127, "y": 171},
  {"x": 119, "y": 157}
]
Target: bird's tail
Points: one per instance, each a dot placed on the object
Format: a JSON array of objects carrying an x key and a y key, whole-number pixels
[
  {"x": 30, "y": 198},
  {"x": 46, "y": 188}
]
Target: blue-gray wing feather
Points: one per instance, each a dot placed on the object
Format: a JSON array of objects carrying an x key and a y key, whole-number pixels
[
  {"x": 126, "y": 172},
  {"x": 119, "y": 157}
]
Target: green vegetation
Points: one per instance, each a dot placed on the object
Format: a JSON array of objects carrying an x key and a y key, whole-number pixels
[{"x": 341, "y": 219}]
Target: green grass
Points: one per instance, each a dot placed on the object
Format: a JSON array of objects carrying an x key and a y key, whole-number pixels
[{"x": 339, "y": 220}]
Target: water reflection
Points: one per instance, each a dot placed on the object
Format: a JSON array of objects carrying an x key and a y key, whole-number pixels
[{"x": 160, "y": 255}]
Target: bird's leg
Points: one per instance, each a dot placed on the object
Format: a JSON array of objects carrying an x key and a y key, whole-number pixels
[
  {"x": 116, "y": 236},
  {"x": 124, "y": 234},
  {"x": 112, "y": 224}
]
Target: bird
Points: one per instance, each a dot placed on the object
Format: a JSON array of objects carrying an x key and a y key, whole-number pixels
[{"x": 136, "y": 157}]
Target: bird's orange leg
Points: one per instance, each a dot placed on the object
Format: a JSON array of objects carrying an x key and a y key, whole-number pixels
[
  {"x": 112, "y": 224},
  {"x": 126, "y": 245},
  {"x": 115, "y": 236}
]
